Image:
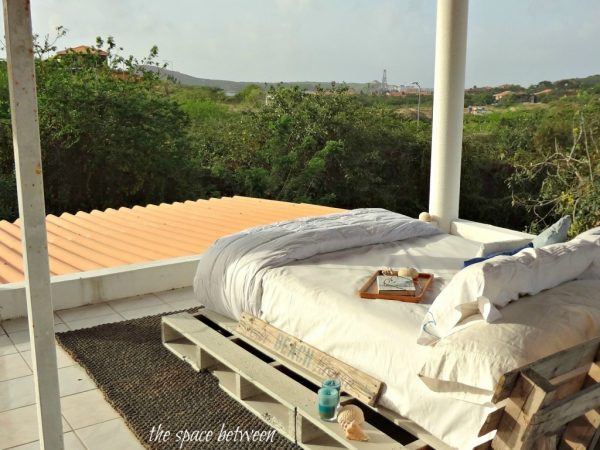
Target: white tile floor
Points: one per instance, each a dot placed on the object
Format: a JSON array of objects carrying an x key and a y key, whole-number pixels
[{"x": 89, "y": 422}]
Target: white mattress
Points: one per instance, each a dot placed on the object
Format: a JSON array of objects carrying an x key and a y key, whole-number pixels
[{"x": 316, "y": 300}]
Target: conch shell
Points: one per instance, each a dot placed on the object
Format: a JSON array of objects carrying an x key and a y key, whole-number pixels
[
  {"x": 408, "y": 272},
  {"x": 351, "y": 417}
]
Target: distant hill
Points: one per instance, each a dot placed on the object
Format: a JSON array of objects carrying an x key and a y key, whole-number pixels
[
  {"x": 233, "y": 87},
  {"x": 567, "y": 84}
]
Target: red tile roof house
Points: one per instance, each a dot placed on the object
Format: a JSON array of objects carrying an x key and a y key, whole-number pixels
[
  {"x": 84, "y": 50},
  {"x": 87, "y": 266}
]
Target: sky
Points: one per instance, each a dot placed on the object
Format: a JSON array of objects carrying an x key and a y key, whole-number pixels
[{"x": 509, "y": 41}]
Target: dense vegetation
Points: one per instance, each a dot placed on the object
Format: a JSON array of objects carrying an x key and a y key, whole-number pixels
[{"x": 113, "y": 135}]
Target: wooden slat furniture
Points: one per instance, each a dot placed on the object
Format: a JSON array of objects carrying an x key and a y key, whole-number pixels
[
  {"x": 553, "y": 403},
  {"x": 278, "y": 390}
]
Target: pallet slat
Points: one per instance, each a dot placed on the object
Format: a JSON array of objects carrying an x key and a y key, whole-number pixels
[
  {"x": 582, "y": 431},
  {"x": 552, "y": 402},
  {"x": 281, "y": 362},
  {"x": 358, "y": 384},
  {"x": 277, "y": 399},
  {"x": 551, "y": 366}
]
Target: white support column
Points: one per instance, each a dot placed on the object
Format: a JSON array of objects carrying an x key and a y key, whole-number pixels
[
  {"x": 448, "y": 107},
  {"x": 28, "y": 161}
]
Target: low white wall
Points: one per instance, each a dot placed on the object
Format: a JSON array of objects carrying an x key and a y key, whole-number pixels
[
  {"x": 72, "y": 290},
  {"x": 482, "y": 232}
]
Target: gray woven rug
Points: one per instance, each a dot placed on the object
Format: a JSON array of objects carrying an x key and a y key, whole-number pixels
[{"x": 149, "y": 387}]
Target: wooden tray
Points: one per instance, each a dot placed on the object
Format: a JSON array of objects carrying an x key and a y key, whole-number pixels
[{"x": 422, "y": 283}]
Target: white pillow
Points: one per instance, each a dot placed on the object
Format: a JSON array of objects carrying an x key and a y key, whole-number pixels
[
  {"x": 591, "y": 234},
  {"x": 487, "y": 248},
  {"x": 484, "y": 287},
  {"x": 593, "y": 272},
  {"x": 468, "y": 364}
]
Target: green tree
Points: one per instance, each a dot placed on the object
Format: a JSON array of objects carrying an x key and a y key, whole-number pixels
[
  {"x": 323, "y": 147},
  {"x": 110, "y": 135},
  {"x": 564, "y": 168}
]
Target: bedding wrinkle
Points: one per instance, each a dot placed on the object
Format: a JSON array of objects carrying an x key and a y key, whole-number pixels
[
  {"x": 314, "y": 298},
  {"x": 375, "y": 336},
  {"x": 229, "y": 275}
]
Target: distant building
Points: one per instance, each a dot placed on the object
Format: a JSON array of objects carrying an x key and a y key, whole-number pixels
[
  {"x": 544, "y": 92},
  {"x": 500, "y": 95},
  {"x": 400, "y": 90},
  {"x": 84, "y": 50}
]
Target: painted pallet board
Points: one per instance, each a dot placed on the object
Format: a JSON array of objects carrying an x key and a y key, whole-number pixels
[
  {"x": 272, "y": 395},
  {"x": 409, "y": 426},
  {"x": 355, "y": 382},
  {"x": 537, "y": 399}
]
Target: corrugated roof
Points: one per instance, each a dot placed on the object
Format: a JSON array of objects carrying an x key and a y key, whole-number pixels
[{"x": 101, "y": 239}]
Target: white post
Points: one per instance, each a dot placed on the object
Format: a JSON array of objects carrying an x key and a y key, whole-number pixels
[
  {"x": 448, "y": 106},
  {"x": 28, "y": 162}
]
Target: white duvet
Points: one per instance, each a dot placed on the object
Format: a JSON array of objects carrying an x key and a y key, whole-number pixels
[
  {"x": 307, "y": 287},
  {"x": 230, "y": 273},
  {"x": 316, "y": 300}
]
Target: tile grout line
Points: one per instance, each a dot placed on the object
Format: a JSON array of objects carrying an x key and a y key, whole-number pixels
[
  {"x": 94, "y": 424},
  {"x": 19, "y": 445},
  {"x": 26, "y": 364},
  {"x": 64, "y": 432},
  {"x": 115, "y": 311},
  {"x": 83, "y": 306},
  {"x": 64, "y": 396},
  {"x": 120, "y": 418}
]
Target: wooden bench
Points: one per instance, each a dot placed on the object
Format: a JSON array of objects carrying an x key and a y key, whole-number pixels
[{"x": 549, "y": 404}]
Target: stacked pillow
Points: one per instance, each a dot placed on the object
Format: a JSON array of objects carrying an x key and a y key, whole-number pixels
[
  {"x": 485, "y": 288},
  {"x": 468, "y": 365},
  {"x": 555, "y": 234},
  {"x": 466, "y": 359}
]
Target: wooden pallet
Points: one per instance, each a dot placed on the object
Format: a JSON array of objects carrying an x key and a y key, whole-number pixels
[
  {"x": 551, "y": 403},
  {"x": 277, "y": 390}
]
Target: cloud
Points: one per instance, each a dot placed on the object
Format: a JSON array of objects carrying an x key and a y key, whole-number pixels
[{"x": 351, "y": 40}]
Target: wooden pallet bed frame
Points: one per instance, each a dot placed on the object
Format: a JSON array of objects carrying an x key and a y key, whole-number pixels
[{"x": 551, "y": 403}]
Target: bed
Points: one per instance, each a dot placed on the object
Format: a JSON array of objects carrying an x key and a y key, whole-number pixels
[{"x": 302, "y": 277}]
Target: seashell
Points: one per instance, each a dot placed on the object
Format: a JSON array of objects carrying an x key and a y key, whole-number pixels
[
  {"x": 355, "y": 432},
  {"x": 425, "y": 217},
  {"x": 350, "y": 417},
  {"x": 408, "y": 272},
  {"x": 348, "y": 414},
  {"x": 388, "y": 271}
]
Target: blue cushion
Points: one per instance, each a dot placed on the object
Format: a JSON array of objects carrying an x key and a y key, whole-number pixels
[
  {"x": 514, "y": 251},
  {"x": 554, "y": 234}
]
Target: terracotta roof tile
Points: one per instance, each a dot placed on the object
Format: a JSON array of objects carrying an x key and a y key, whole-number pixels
[{"x": 116, "y": 237}]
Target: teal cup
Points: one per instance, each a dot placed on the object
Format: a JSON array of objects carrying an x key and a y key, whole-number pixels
[{"x": 328, "y": 401}]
